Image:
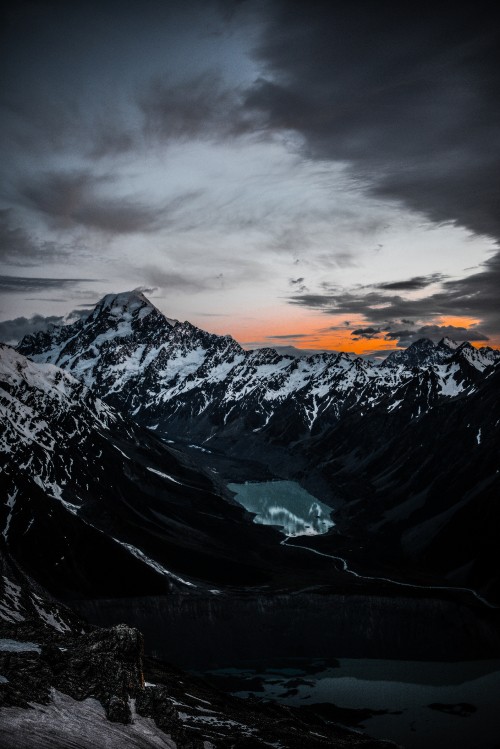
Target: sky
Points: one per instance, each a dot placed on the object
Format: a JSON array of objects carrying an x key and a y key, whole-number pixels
[{"x": 321, "y": 175}]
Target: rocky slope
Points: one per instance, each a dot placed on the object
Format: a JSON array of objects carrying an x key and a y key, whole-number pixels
[
  {"x": 430, "y": 491},
  {"x": 64, "y": 683}
]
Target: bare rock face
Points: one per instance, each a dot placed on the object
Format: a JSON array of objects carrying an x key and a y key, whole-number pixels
[
  {"x": 28, "y": 679},
  {"x": 105, "y": 664}
]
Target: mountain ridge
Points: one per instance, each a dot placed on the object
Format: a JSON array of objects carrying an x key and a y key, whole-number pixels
[{"x": 138, "y": 359}]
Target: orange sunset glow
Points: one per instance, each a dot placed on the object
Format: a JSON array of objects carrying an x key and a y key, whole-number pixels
[{"x": 308, "y": 331}]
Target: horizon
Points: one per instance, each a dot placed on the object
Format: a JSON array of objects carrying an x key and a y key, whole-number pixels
[
  {"x": 281, "y": 349},
  {"x": 320, "y": 178}
]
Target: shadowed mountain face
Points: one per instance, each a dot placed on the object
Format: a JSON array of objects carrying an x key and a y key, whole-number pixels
[
  {"x": 96, "y": 505},
  {"x": 409, "y": 449},
  {"x": 423, "y": 488}
]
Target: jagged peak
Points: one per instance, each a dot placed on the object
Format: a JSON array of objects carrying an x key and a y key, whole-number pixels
[
  {"x": 268, "y": 354},
  {"x": 448, "y": 343},
  {"x": 422, "y": 343}
]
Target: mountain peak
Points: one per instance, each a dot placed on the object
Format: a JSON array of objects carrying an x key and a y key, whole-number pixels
[
  {"x": 448, "y": 343},
  {"x": 125, "y": 298},
  {"x": 125, "y": 304},
  {"x": 422, "y": 344}
]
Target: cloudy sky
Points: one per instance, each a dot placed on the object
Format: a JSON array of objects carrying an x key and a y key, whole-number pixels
[{"x": 323, "y": 175}]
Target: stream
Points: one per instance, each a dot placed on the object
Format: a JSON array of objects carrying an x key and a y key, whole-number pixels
[{"x": 291, "y": 508}]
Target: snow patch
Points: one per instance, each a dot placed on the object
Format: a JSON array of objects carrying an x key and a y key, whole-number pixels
[
  {"x": 165, "y": 475},
  {"x": 66, "y": 722},
  {"x": 152, "y": 563},
  {"x": 47, "y": 616},
  {"x": 16, "y": 646},
  {"x": 10, "y": 606},
  {"x": 10, "y": 503}
]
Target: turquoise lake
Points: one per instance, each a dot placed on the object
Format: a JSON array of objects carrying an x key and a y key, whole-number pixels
[{"x": 284, "y": 504}]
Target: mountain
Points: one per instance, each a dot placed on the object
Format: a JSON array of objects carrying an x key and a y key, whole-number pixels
[
  {"x": 407, "y": 450},
  {"x": 183, "y": 382},
  {"x": 421, "y": 488},
  {"x": 119, "y": 434},
  {"x": 95, "y": 505}
]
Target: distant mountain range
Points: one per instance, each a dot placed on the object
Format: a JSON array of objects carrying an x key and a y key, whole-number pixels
[{"x": 174, "y": 377}]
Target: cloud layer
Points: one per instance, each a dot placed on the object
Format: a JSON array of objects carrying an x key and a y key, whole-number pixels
[
  {"x": 271, "y": 160},
  {"x": 474, "y": 296},
  {"x": 409, "y": 98}
]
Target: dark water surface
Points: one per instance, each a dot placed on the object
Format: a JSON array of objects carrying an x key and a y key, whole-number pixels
[{"x": 420, "y": 704}]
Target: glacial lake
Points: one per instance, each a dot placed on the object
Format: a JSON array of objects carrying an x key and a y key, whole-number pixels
[
  {"x": 284, "y": 504},
  {"x": 419, "y": 704}
]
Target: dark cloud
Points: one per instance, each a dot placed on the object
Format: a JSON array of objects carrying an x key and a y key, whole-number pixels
[
  {"x": 367, "y": 333},
  {"x": 456, "y": 333},
  {"x": 298, "y": 284},
  {"x": 475, "y": 296},
  {"x": 11, "y": 331},
  {"x": 409, "y": 98},
  {"x": 395, "y": 335},
  {"x": 288, "y": 336},
  {"x": 403, "y": 337},
  {"x": 78, "y": 198},
  {"x": 15, "y": 284},
  {"x": 17, "y": 247},
  {"x": 436, "y": 333},
  {"x": 108, "y": 138},
  {"x": 412, "y": 284},
  {"x": 39, "y": 123},
  {"x": 70, "y": 199}
]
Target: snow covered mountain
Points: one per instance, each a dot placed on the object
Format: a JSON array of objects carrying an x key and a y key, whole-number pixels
[
  {"x": 93, "y": 504},
  {"x": 180, "y": 380},
  {"x": 409, "y": 450},
  {"x": 104, "y": 512}
]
